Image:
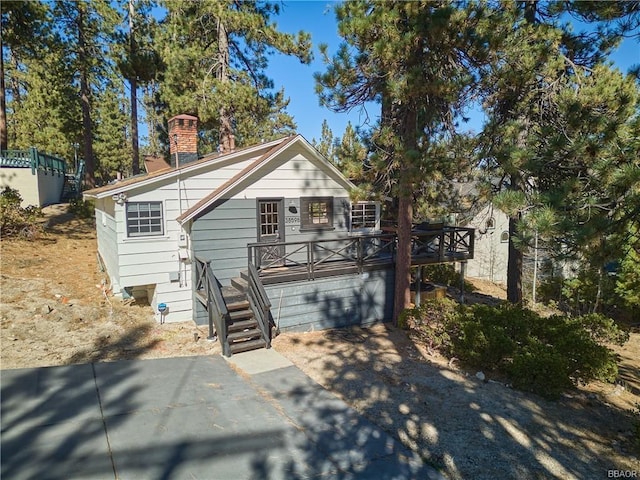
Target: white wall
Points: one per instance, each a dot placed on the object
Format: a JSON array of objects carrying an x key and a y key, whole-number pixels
[
  {"x": 24, "y": 181},
  {"x": 490, "y": 252},
  {"x": 40, "y": 189},
  {"x": 49, "y": 187},
  {"x": 292, "y": 177},
  {"x": 107, "y": 240}
]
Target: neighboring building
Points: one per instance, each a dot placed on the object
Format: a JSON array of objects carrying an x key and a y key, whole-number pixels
[
  {"x": 38, "y": 177},
  {"x": 491, "y": 248}
]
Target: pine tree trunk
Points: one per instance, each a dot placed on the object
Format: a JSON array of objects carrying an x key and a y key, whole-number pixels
[
  {"x": 402, "y": 297},
  {"x": 135, "y": 161},
  {"x": 85, "y": 93},
  {"x": 226, "y": 130},
  {"x": 4, "y": 137},
  {"x": 514, "y": 265},
  {"x": 135, "y": 151}
]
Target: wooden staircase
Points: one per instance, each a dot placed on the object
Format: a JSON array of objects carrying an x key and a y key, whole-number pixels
[
  {"x": 243, "y": 333},
  {"x": 240, "y": 315}
]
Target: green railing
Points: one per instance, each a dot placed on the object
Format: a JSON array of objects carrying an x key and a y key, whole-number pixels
[{"x": 33, "y": 159}]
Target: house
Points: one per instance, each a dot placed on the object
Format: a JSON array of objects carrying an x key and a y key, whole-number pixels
[
  {"x": 153, "y": 228},
  {"x": 252, "y": 239}
]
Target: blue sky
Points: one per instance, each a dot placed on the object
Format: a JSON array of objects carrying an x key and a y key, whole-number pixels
[{"x": 318, "y": 18}]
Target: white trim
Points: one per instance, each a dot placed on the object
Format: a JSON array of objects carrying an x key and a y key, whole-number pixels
[
  {"x": 314, "y": 154},
  {"x": 188, "y": 168}
]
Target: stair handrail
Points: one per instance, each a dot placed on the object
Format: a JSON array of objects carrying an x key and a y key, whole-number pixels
[
  {"x": 260, "y": 304},
  {"x": 215, "y": 301}
]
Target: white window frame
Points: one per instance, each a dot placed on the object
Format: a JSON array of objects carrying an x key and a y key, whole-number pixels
[
  {"x": 316, "y": 213},
  {"x": 141, "y": 220},
  {"x": 361, "y": 216}
]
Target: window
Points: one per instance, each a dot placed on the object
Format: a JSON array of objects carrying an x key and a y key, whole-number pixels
[
  {"x": 364, "y": 215},
  {"x": 144, "y": 219},
  {"x": 316, "y": 212},
  {"x": 491, "y": 223},
  {"x": 269, "y": 218},
  {"x": 504, "y": 237}
]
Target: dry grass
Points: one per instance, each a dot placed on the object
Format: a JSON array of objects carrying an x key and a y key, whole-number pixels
[{"x": 54, "y": 311}]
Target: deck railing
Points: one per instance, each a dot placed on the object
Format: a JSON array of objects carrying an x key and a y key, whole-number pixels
[
  {"x": 260, "y": 304},
  {"x": 209, "y": 293},
  {"x": 447, "y": 244},
  {"x": 33, "y": 159},
  {"x": 313, "y": 255}
]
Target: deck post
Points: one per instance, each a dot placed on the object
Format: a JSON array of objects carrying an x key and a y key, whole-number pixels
[
  {"x": 418, "y": 286},
  {"x": 33, "y": 153},
  {"x": 210, "y": 307},
  {"x": 463, "y": 269}
]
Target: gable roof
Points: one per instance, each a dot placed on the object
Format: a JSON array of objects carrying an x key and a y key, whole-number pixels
[
  {"x": 261, "y": 162},
  {"x": 192, "y": 168}
]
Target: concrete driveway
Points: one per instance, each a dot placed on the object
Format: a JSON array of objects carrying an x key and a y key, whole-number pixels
[{"x": 256, "y": 416}]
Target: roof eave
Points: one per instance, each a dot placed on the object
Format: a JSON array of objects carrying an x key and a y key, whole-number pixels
[{"x": 186, "y": 169}]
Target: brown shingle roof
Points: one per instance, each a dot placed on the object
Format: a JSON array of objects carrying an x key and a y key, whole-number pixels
[{"x": 155, "y": 164}]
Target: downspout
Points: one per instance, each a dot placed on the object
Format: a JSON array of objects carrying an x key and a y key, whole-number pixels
[{"x": 175, "y": 142}]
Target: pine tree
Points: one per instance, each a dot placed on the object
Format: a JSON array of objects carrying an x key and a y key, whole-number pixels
[
  {"x": 326, "y": 143},
  {"x": 87, "y": 30},
  {"x": 417, "y": 59},
  {"x": 537, "y": 55},
  {"x": 23, "y": 39},
  {"x": 215, "y": 55},
  {"x": 112, "y": 144},
  {"x": 137, "y": 59}
]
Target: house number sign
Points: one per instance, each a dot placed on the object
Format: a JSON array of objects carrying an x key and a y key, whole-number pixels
[{"x": 290, "y": 220}]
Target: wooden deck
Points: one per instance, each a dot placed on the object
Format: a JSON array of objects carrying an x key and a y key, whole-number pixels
[{"x": 281, "y": 262}]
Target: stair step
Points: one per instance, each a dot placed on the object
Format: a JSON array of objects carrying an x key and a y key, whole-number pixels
[
  {"x": 232, "y": 295},
  {"x": 244, "y": 335},
  {"x": 242, "y": 325},
  {"x": 240, "y": 315},
  {"x": 246, "y": 346},
  {"x": 240, "y": 283},
  {"x": 239, "y": 305}
]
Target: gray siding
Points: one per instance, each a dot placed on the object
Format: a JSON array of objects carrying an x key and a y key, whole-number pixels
[
  {"x": 222, "y": 235},
  {"x": 333, "y": 302}
]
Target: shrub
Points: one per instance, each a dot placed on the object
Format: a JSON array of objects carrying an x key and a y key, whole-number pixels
[
  {"x": 490, "y": 336},
  {"x": 539, "y": 354},
  {"x": 82, "y": 208},
  {"x": 16, "y": 221},
  {"x": 432, "y": 323},
  {"x": 540, "y": 369},
  {"x": 445, "y": 274}
]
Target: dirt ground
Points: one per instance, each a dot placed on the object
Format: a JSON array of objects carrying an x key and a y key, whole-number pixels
[{"x": 55, "y": 309}]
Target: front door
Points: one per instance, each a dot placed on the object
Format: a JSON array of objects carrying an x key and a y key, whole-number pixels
[{"x": 271, "y": 229}]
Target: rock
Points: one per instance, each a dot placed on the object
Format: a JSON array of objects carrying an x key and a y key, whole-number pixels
[{"x": 480, "y": 376}]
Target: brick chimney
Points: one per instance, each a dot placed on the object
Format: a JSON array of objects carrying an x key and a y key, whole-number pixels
[{"x": 183, "y": 139}]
